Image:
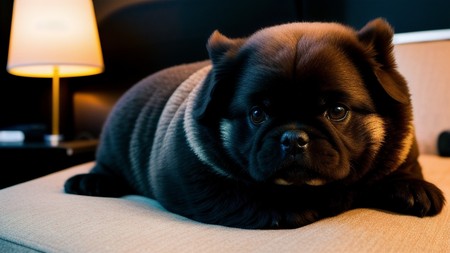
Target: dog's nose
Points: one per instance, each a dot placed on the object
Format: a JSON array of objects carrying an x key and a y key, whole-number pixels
[{"x": 294, "y": 140}]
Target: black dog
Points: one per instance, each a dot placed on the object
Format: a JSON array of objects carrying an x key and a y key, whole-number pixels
[{"x": 295, "y": 123}]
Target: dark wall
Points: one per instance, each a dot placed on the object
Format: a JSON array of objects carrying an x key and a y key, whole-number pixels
[
  {"x": 404, "y": 15},
  {"x": 142, "y": 37}
]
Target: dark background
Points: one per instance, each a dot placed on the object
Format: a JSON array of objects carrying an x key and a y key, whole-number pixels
[{"x": 141, "y": 37}]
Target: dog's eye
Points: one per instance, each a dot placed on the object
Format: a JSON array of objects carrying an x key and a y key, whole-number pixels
[
  {"x": 257, "y": 115},
  {"x": 337, "y": 113}
]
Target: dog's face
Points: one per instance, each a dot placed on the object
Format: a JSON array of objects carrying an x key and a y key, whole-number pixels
[{"x": 309, "y": 103}]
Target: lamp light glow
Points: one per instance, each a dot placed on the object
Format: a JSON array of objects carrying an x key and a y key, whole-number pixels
[{"x": 53, "y": 39}]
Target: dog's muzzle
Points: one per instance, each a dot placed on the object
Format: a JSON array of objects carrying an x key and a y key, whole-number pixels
[{"x": 294, "y": 142}]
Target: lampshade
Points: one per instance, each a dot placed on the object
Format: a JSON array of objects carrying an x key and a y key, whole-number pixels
[{"x": 54, "y": 33}]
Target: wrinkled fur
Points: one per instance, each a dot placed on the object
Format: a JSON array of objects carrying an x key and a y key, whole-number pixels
[{"x": 293, "y": 124}]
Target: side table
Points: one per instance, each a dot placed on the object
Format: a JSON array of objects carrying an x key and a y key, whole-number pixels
[{"x": 21, "y": 162}]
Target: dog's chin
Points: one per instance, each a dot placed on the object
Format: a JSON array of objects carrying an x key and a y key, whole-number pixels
[
  {"x": 298, "y": 177},
  {"x": 300, "y": 172},
  {"x": 310, "y": 182}
]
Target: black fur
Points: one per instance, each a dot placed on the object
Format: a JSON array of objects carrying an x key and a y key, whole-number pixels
[{"x": 295, "y": 123}]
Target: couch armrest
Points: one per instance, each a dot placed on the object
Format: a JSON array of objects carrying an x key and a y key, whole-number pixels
[{"x": 426, "y": 67}]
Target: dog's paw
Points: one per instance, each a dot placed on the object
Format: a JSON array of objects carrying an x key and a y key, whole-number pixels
[
  {"x": 414, "y": 197},
  {"x": 96, "y": 185}
]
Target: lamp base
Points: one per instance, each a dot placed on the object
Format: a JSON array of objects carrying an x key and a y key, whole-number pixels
[{"x": 53, "y": 139}]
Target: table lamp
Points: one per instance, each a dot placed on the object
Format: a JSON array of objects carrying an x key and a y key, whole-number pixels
[{"x": 53, "y": 39}]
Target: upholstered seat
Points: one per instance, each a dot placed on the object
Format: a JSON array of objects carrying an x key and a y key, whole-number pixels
[{"x": 39, "y": 216}]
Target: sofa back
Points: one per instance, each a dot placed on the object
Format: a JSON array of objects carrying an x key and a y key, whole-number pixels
[{"x": 425, "y": 63}]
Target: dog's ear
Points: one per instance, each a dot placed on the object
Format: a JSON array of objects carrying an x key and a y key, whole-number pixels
[
  {"x": 221, "y": 47},
  {"x": 223, "y": 53},
  {"x": 377, "y": 36}
]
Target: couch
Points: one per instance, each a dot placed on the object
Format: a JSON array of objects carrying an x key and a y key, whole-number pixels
[{"x": 37, "y": 216}]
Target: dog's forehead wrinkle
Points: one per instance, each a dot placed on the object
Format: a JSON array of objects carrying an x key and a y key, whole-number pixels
[
  {"x": 286, "y": 43},
  {"x": 314, "y": 30},
  {"x": 330, "y": 70},
  {"x": 353, "y": 95},
  {"x": 280, "y": 63}
]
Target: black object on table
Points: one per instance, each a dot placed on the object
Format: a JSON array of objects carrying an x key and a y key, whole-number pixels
[{"x": 444, "y": 143}]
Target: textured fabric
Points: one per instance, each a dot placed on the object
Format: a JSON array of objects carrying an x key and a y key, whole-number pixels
[{"x": 38, "y": 216}]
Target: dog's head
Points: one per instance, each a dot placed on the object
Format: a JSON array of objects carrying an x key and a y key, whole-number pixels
[{"x": 309, "y": 103}]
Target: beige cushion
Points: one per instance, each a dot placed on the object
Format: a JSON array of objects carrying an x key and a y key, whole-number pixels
[{"x": 37, "y": 215}]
